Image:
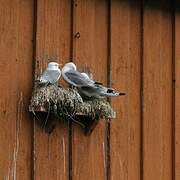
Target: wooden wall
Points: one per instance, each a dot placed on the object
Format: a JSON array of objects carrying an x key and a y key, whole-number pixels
[{"x": 133, "y": 46}]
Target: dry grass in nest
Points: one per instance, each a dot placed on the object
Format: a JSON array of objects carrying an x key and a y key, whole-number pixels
[{"x": 67, "y": 104}]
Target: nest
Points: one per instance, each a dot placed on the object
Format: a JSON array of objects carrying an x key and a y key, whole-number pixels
[{"x": 54, "y": 102}]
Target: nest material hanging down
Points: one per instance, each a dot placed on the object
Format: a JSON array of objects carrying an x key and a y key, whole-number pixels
[{"x": 67, "y": 104}]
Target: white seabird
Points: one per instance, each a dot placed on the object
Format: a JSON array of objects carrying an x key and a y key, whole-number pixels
[
  {"x": 51, "y": 74},
  {"x": 86, "y": 87},
  {"x": 74, "y": 77}
]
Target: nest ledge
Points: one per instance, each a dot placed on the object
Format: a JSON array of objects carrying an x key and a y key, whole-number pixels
[{"x": 67, "y": 104}]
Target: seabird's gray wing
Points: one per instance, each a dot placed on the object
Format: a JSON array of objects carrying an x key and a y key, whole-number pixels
[
  {"x": 89, "y": 92},
  {"x": 93, "y": 81},
  {"x": 97, "y": 91},
  {"x": 77, "y": 79}
]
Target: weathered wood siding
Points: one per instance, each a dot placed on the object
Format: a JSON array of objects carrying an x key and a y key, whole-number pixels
[{"x": 131, "y": 45}]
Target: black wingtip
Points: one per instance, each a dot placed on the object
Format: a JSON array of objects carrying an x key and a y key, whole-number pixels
[
  {"x": 98, "y": 83},
  {"x": 122, "y": 94}
]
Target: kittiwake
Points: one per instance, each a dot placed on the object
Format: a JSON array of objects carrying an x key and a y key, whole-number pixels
[
  {"x": 86, "y": 87},
  {"x": 74, "y": 77},
  {"x": 51, "y": 74}
]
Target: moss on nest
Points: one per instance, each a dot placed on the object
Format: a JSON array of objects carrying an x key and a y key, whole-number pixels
[
  {"x": 66, "y": 103},
  {"x": 99, "y": 108},
  {"x": 53, "y": 96}
]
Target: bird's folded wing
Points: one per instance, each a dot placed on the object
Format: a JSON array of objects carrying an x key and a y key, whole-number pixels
[
  {"x": 78, "y": 79},
  {"x": 89, "y": 91}
]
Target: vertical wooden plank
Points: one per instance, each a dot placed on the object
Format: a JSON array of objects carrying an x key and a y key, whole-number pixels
[
  {"x": 125, "y": 60},
  {"x": 16, "y": 29},
  {"x": 157, "y": 111},
  {"x": 52, "y": 41},
  {"x": 177, "y": 91},
  {"x": 90, "y": 50}
]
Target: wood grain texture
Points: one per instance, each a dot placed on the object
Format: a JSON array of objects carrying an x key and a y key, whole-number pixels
[
  {"x": 177, "y": 92},
  {"x": 51, "y": 159},
  {"x": 90, "y": 51},
  {"x": 157, "y": 91},
  {"x": 125, "y": 60},
  {"x": 138, "y": 44},
  {"x": 16, "y": 29}
]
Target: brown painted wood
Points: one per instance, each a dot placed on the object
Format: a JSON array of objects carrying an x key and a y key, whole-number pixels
[
  {"x": 90, "y": 51},
  {"x": 177, "y": 93},
  {"x": 157, "y": 91},
  {"x": 125, "y": 60},
  {"x": 51, "y": 159},
  {"x": 134, "y": 47},
  {"x": 16, "y": 29}
]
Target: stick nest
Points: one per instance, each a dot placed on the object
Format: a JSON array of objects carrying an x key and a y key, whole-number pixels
[{"x": 66, "y": 103}]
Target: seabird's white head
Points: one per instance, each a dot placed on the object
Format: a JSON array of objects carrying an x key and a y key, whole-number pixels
[
  {"x": 70, "y": 66},
  {"x": 53, "y": 65},
  {"x": 51, "y": 74}
]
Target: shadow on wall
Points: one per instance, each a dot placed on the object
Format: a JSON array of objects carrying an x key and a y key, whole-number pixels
[{"x": 166, "y": 5}]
